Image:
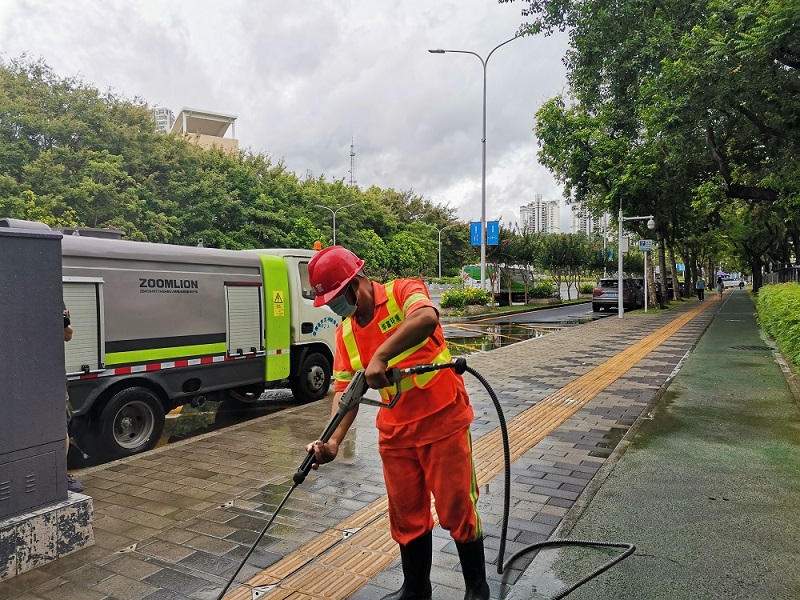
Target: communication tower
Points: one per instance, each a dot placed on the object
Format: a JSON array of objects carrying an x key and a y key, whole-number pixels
[{"x": 352, "y": 163}]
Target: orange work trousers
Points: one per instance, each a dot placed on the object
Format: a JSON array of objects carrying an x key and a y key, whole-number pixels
[{"x": 444, "y": 469}]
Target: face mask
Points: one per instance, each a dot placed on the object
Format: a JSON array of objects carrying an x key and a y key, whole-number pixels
[{"x": 342, "y": 307}]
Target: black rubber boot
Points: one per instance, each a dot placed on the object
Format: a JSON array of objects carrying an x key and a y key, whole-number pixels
[
  {"x": 473, "y": 566},
  {"x": 416, "y": 557}
]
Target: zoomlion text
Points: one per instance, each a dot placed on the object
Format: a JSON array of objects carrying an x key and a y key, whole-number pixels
[{"x": 169, "y": 286}]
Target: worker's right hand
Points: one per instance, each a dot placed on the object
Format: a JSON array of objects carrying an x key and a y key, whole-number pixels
[{"x": 323, "y": 453}]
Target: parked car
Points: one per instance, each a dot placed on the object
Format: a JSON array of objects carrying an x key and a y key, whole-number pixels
[
  {"x": 670, "y": 288},
  {"x": 605, "y": 294},
  {"x": 653, "y": 295}
]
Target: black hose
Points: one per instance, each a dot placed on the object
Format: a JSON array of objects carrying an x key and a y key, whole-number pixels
[
  {"x": 628, "y": 549},
  {"x": 460, "y": 366},
  {"x": 506, "y": 459}
]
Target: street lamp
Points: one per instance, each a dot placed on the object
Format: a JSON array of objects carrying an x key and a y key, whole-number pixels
[
  {"x": 439, "y": 231},
  {"x": 333, "y": 212},
  {"x": 483, "y": 150},
  {"x": 651, "y": 224}
]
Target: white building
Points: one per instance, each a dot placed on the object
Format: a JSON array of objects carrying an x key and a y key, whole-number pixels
[
  {"x": 583, "y": 222},
  {"x": 540, "y": 216},
  {"x": 164, "y": 118}
]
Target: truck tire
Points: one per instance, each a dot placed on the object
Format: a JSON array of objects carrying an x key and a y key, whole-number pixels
[
  {"x": 313, "y": 379},
  {"x": 131, "y": 422}
]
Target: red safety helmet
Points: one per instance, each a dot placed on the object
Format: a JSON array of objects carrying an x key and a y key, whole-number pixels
[{"x": 330, "y": 271}]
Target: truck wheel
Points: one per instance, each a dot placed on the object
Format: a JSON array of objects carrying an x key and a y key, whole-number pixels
[
  {"x": 313, "y": 379},
  {"x": 130, "y": 423}
]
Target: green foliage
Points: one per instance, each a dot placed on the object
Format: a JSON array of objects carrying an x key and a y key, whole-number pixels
[
  {"x": 679, "y": 109},
  {"x": 779, "y": 314},
  {"x": 450, "y": 281},
  {"x": 459, "y": 298},
  {"x": 545, "y": 288},
  {"x": 586, "y": 288}
]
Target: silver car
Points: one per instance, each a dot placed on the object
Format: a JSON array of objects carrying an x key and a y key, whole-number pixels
[{"x": 605, "y": 294}]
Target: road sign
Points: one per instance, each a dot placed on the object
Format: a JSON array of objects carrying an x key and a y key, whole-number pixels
[
  {"x": 492, "y": 233},
  {"x": 646, "y": 245},
  {"x": 475, "y": 233}
]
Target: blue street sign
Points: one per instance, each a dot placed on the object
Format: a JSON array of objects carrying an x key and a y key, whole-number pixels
[
  {"x": 475, "y": 233},
  {"x": 492, "y": 233}
]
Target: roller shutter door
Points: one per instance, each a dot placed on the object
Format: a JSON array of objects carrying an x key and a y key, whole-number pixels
[
  {"x": 245, "y": 309},
  {"x": 84, "y": 300}
]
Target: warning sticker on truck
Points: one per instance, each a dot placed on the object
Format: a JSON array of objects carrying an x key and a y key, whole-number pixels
[{"x": 277, "y": 305}]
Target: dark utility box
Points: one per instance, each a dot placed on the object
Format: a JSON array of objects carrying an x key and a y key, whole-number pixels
[{"x": 33, "y": 462}]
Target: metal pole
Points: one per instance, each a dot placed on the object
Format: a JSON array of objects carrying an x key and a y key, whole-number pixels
[
  {"x": 440, "y": 252},
  {"x": 333, "y": 212},
  {"x": 620, "y": 309},
  {"x": 483, "y": 182},
  {"x": 483, "y": 150},
  {"x": 645, "y": 281}
]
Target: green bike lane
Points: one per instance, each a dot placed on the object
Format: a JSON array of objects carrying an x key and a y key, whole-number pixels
[{"x": 708, "y": 488}]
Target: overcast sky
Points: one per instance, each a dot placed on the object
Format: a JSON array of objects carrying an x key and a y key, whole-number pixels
[{"x": 304, "y": 78}]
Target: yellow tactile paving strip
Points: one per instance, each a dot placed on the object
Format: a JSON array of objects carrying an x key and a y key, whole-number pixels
[{"x": 333, "y": 565}]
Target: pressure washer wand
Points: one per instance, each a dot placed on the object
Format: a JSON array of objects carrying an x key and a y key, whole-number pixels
[{"x": 349, "y": 399}]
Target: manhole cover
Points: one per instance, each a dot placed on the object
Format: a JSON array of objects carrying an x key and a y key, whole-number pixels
[{"x": 767, "y": 348}]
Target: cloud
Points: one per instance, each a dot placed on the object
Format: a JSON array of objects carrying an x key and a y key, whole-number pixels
[{"x": 305, "y": 78}]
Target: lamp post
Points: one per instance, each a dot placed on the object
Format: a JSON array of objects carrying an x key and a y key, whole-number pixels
[
  {"x": 439, "y": 230},
  {"x": 483, "y": 149},
  {"x": 651, "y": 224},
  {"x": 333, "y": 212}
]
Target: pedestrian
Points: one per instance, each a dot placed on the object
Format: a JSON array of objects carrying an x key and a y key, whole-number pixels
[
  {"x": 73, "y": 485},
  {"x": 720, "y": 287},
  {"x": 741, "y": 284},
  {"x": 701, "y": 288},
  {"x": 424, "y": 441}
]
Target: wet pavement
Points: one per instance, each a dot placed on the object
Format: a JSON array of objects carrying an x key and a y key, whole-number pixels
[{"x": 175, "y": 523}]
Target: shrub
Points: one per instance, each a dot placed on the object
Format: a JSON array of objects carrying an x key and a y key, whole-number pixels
[
  {"x": 586, "y": 288},
  {"x": 450, "y": 280},
  {"x": 543, "y": 289},
  {"x": 459, "y": 298},
  {"x": 779, "y": 314}
]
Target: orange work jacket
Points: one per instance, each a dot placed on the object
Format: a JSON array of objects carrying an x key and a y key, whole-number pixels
[{"x": 423, "y": 394}]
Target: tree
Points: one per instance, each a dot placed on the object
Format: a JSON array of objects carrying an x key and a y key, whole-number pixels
[{"x": 666, "y": 97}]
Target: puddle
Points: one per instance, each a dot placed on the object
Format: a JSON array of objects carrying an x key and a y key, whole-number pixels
[{"x": 465, "y": 338}]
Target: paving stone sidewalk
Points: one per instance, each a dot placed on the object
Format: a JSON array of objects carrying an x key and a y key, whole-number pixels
[{"x": 174, "y": 524}]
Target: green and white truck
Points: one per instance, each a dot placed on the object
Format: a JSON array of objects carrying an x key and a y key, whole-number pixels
[
  {"x": 509, "y": 283},
  {"x": 157, "y": 326}
]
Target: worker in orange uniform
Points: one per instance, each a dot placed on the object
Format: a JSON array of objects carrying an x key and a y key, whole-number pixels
[{"x": 424, "y": 441}]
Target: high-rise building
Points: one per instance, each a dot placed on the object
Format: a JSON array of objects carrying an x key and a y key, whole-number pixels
[
  {"x": 164, "y": 118},
  {"x": 540, "y": 216},
  {"x": 585, "y": 222}
]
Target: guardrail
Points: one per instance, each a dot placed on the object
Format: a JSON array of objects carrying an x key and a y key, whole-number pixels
[{"x": 783, "y": 275}]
